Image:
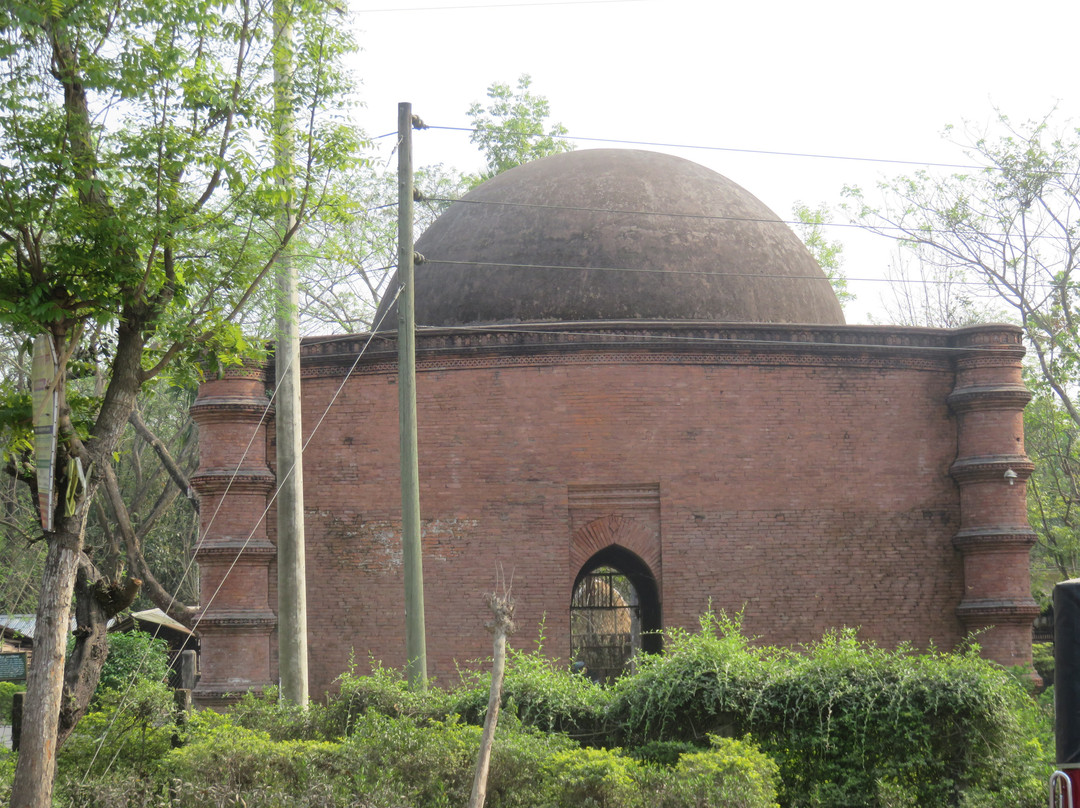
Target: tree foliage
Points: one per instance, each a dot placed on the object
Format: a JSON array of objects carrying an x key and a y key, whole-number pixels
[
  {"x": 137, "y": 190},
  {"x": 513, "y": 129},
  {"x": 809, "y": 223},
  {"x": 1004, "y": 236},
  {"x": 346, "y": 263},
  {"x": 355, "y": 256}
]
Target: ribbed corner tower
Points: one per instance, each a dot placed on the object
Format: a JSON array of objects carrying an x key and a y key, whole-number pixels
[
  {"x": 235, "y": 556},
  {"x": 992, "y": 469}
]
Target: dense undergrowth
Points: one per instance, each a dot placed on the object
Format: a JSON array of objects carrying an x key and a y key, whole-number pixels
[{"x": 714, "y": 721}]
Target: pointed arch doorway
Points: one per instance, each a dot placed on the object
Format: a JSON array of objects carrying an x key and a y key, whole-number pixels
[{"x": 614, "y": 613}]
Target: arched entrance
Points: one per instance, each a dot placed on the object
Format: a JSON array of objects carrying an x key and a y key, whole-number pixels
[{"x": 614, "y": 612}]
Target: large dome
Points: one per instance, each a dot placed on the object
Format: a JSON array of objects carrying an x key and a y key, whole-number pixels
[{"x": 614, "y": 234}]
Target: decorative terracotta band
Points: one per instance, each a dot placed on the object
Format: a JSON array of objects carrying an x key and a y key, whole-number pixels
[
  {"x": 241, "y": 408},
  {"x": 614, "y": 496},
  {"x": 989, "y": 359},
  {"x": 991, "y": 539},
  {"x": 987, "y": 468},
  {"x": 236, "y": 549},
  {"x": 249, "y": 370},
  {"x": 1004, "y": 397},
  {"x": 555, "y": 356},
  {"x": 989, "y": 336},
  {"x": 245, "y": 481},
  {"x": 258, "y": 621},
  {"x": 1020, "y": 610},
  {"x": 615, "y": 332}
]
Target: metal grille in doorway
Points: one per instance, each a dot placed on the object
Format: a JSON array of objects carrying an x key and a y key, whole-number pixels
[{"x": 605, "y": 623}]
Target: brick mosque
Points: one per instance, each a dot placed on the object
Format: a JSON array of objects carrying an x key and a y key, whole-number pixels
[{"x": 638, "y": 399}]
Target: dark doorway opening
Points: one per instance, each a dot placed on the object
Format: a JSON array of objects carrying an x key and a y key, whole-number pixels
[{"x": 614, "y": 613}]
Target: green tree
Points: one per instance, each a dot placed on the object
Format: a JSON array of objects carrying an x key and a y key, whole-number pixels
[
  {"x": 133, "y": 655},
  {"x": 809, "y": 224},
  {"x": 1006, "y": 232},
  {"x": 512, "y": 129},
  {"x": 356, "y": 254},
  {"x": 136, "y": 199}
]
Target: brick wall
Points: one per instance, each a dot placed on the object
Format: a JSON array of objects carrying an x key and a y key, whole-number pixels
[{"x": 807, "y": 486}]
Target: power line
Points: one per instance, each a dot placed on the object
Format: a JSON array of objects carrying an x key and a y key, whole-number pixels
[
  {"x": 732, "y": 149},
  {"x": 627, "y": 212},
  {"x": 902, "y": 233},
  {"x": 704, "y": 273}
]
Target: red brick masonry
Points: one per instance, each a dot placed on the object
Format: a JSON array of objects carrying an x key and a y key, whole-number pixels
[{"x": 808, "y": 476}]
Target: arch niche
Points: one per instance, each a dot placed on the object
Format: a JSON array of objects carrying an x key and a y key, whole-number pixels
[{"x": 614, "y": 612}]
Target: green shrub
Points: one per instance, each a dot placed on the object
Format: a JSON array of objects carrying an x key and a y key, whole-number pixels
[
  {"x": 845, "y": 723},
  {"x": 431, "y": 763},
  {"x": 594, "y": 778},
  {"x": 844, "y": 720},
  {"x": 7, "y": 694},
  {"x": 384, "y": 691},
  {"x": 281, "y": 720},
  {"x": 1042, "y": 659},
  {"x": 427, "y": 763},
  {"x": 228, "y": 760},
  {"x": 133, "y": 655},
  {"x": 129, "y": 732},
  {"x": 703, "y": 684},
  {"x": 516, "y": 778},
  {"x": 730, "y": 774},
  {"x": 7, "y": 774},
  {"x": 666, "y": 753},
  {"x": 542, "y": 693}
]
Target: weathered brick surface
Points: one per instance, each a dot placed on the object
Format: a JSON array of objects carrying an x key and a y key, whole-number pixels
[{"x": 807, "y": 486}]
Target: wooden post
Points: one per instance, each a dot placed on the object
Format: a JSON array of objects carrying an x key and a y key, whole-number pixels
[
  {"x": 182, "y": 708},
  {"x": 412, "y": 560},
  {"x": 16, "y": 720},
  {"x": 187, "y": 669}
]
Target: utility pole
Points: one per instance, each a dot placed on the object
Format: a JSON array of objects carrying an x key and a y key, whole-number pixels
[
  {"x": 412, "y": 560},
  {"x": 292, "y": 585}
]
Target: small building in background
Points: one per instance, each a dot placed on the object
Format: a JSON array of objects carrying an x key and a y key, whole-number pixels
[{"x": 16, "y": 646}]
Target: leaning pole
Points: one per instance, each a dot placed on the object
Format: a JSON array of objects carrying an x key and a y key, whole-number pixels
[
  {"x": 292, "y": 586},
  {"x": 415, "y": 642}
]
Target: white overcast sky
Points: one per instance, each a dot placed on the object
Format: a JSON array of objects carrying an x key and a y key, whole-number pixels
[{"x": 849, "y": 79}]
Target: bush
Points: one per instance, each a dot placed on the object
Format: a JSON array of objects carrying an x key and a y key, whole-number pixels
[
  {"x": 845, "y": 723},
  {"x": 7, "y": 774},
  {"x": 1042, "y": 659},
  {"x": 730, "y": 774},
  {"x": 227, "y": 761},
  {"x": 848, "y": 723},
  {"x": 130, "y": 731},
  {"x": 7, "y": 694},
  {"x": 594, "y": 778},
  {"x": 133, "y": 655},
  {"x": 281, "y": 720},
  {"x": 383, "y": 691},
  {"x": 542, "y": 693}
]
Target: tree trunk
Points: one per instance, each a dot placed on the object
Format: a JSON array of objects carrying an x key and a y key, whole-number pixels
[
  {"x": 36, "y": 766},
  {"x": 96, "y": 600},
  {"x": 502, "y": 625},
  {"x": 45, "y": 692}
]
